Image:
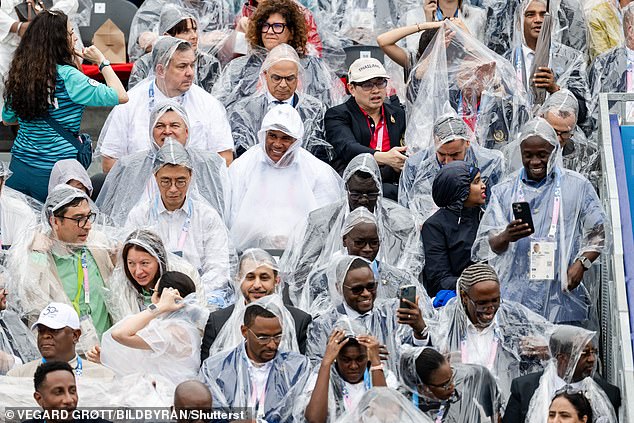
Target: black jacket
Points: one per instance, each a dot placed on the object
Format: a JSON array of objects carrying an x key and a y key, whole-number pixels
[
  {"x": 523, "y": 388},
  {"x": 218, "y": 318},
  {"x": 347, "y": 131}
]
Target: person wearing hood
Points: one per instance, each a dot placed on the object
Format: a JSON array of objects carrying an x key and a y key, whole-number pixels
[
  {"x": 125, "y": 130},
  {"x": 543, "y": 267},
  {"x": 276, "y": 185},
  {"x": 449, "y": 233},
  {"x": 70, "y": 172}
]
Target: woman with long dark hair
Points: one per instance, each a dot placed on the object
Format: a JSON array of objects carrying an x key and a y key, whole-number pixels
[{"x": 45, "y": 89}]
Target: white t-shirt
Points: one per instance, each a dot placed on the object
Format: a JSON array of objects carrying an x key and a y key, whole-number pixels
[{"x": 127, "y": 129}]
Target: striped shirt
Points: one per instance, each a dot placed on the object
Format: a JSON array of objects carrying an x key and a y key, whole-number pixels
[{"x": 39, "y": 145}]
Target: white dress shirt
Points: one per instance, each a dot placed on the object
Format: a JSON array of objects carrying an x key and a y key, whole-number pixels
[
  {"x": 529, "y": 58},
  {"x": 480, "y": 346}
]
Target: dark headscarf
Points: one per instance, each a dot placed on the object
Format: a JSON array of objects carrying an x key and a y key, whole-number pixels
[{"x": 452, "y": 183}]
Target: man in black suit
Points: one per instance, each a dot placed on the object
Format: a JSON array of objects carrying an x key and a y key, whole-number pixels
[
  {"x": 562, "y": 347},
  {"x": 366, "y": 124},
  {"x": 258, "y": 275}
]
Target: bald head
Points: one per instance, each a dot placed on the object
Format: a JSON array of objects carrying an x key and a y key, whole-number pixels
[{"x": 192, "y": 395}]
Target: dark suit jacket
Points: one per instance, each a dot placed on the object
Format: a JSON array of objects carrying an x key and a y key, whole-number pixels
[
  {"x": 523, "y": 388},
  {"x": 218, "y": 318},
  {"x": 347, "y": 131}
]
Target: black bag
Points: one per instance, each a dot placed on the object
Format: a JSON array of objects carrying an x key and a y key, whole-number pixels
[
  {"x": 26, "y": 13},
  {"x": 82, "y": 142}
]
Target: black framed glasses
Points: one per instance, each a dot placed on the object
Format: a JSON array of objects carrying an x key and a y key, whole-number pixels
[
  {"x": 447, "y": 385},
  {"x": 565, "y": 135},
  {"x": 279, "y": 78},
  {"x": 167, "y": 183},
  {"x": 356, "y": 195},
  {"x": 358, "y": 289},
  {"x": 360, "y": 243},
  {"x": 265, "y": 339},
  {"x": 277, "y": 27},
  {"x": 369, "y": 85},
  {"x": 82, "y": 221}
]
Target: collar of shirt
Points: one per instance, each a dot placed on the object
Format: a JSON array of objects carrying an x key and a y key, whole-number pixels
[
  {"x": 272, "y": 99},
  {"x": 353, "y": 314},
  {"x": 162, "y": 210},
  {"x": 160, "y": 96},
  {"x": 471, "y": 329},
  {"x": 535, "y": 184},
  {"x": 529, "y": 57},
  {"x": 560, "y": 383}
]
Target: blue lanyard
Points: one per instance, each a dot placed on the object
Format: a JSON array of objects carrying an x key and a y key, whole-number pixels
[
  {"x": 78, "y": 369},
  {"x": 186, "y": 225}
]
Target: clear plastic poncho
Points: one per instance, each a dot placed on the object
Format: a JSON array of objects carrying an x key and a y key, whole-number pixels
[
  {"x": 246, "y": 114},
  {"x": 212, "y": 15},
  {"x": 18, "y": 213},
  {"x": 123, "y": 299},
  {"x": 401, "y": 245},
  {"x": 420, "y": 170},
  {"x": 207, "y": 65},
  {"x": 47, "y": 269},
  {"x": 228, "y": 376},
  {"x": 282, "y": 192},
  {"x": 239, "y": 79},
  {"x": 519, "y": 336},
  {"x": 580, "y": 225},
  {"x": 459, "y": 74},
  {"x": 384, "y": 405},
  {"x": 575, "y": 341},
  {"x": 605, "y": 30},
  {"x": 195, "y": 231},
  {"x": 476, "y": 398},
  {"x": 381, "y": 322},
  {"x": 174, "y": 340},
  {"x": 65, "y": 171},
  {"x": 117, "y": 198}
]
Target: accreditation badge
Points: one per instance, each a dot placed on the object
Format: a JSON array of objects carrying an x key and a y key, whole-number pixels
[{"x": 542, "y": 256}]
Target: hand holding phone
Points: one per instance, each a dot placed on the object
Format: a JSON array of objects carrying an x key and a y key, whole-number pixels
[
  {"x": 407, "y": 293},
  {"x": 523, "y": 225}
]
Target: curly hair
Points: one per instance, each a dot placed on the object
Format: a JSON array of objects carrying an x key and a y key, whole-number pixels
[
  {"x": 295, "y": 23},
  {"x": 30, "y": 83}
]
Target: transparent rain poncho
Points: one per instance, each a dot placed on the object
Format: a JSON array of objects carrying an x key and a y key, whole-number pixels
[
  {"x": 207, "y": 65},
  {"x": 65, "y": 171},
  {"x": 420, "y": 170},
  {"x": 401, "y": 246},
  {"x": 195, "y": 231},
  {"x": 123, "y": 298},
  {"x": 212, "y": 15},
  {"x": 18, "y": 213},
  {"x": 283, "y": 192},
  {"x": 390, "y": 278},
  {"x": 569, "y": 346},
  {"x": 117, "y": 197},
  {"x": 381, "y": 322},
  {"x": 47, "y": 269},
  {"x": 174, "y": 340},
  {"x": 475, "y": 398},
  {"x": 384, "y": 405},
  {"x": 579, "y": 226},
  {"x": 519, "y": 337},
  {"x": 458, "y": 74},
  {"x": 604, "y": 21},
  {"x": 228, "y": 374},
  {"x": 239, "y": 79},
  {"x": 246, "y": 114}
]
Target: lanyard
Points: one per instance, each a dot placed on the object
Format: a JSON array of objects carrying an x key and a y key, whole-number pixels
[
  {"x": 150, "y": 93},
  {"x": 441, "y": 413},
  {"x": 186, "y": 225},
  {"x": 556, "y": 203},
  {"x": 367, "y": 385},
  {"x": 257, "y": 398},
  {"x": 82, "y": 281},
  {"x": 492, "y": 351},
  {"x": 79, "y": 369}
]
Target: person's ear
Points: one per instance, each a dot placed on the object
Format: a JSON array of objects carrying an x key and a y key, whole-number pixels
[
  {"x": 160, "y": 70},
  {"x": 76, "y": 335},
  {"x": 277, "y": 280},
  {"x": 38, "y": 398},
  {"x": 343, "y": 240},
  {"x": 244, "y": 330}
]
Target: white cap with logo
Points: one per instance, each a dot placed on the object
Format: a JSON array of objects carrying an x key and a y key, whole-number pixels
[
  {"x": 366, "y": 68},
  {"x": 58, "y": 316}
]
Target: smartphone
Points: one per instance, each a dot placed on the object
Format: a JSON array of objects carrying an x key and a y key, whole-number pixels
[
  {"x": 523, "y": 211},
  {"x": 407, "y": 293}
]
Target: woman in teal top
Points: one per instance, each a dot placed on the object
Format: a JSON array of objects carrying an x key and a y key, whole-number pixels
[{"x": 45, "y": 80}]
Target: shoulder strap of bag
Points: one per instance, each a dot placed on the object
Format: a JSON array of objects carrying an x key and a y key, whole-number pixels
[{"x": 63, "y": 132}]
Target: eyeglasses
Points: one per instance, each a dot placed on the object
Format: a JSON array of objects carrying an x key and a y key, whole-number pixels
[
  {"x": 358, "y": 290},
  {"x": 568, "y": 389},
  {"x": 485, "y": 305},
  {"x": 566, "y": 135},
  {"x": 447, "y": 385},
  {"x": 264, "y": 339},
  {"x": 360, "y": 243},
  {"x": 278, "y": 78},
  {"x": 167, "y": 183},
  {"x": 277, "y": 27},
  {"x": 369, "y": 85},
  {"x": 356, "y": 195},
  {"x": 81, "y": 221}
]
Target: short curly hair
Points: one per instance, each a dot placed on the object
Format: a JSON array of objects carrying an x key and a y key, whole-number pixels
[{"x": 295, "y": 23}]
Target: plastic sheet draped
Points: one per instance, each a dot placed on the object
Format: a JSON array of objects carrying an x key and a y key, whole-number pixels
[
  {"x": 581, "y": 227},
  {"x": 174, "y": 341},
  {"x": 608, "y": 73},
  {"x": 604, "y": 22},
  {"x": 572, "y": 342},
  {"x": 384, "y": 405},
  {"x": 284, "y": 191},
  {"x": 209, "y": 171},
  {"x": 401, "y": 246},
  {"x": 16, "y": 340},
  {"x": 212, "y": 15},
  {"x": 458, "y": 74},
  {"x": 475, "y": 398},
  {"x": 239, "y": 79},
  {"x": 66, "y": 170}
]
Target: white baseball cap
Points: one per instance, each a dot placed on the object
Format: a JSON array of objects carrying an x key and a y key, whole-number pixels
[
  {"x": 57, "y": 316},
  {"x": 366, "y": 68}
]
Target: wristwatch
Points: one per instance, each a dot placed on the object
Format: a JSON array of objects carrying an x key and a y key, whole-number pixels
[
  {"x": 585, "y": 262},
  {"x": 103, "y": 64},
  {"x": 153, "y": 308}
]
